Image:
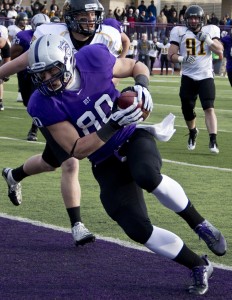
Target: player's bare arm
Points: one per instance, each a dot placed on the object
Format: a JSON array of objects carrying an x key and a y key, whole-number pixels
[
  {"x": 72, "y": 143},
  {"x": 217, "y": 48},
  {"x": 126, "y": 67},
  {"x": 14, "y": 66},
  {"x": 125, "y": 44},
  {"x": 173, "y": 53}
]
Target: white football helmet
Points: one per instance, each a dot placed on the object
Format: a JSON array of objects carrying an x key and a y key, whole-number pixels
[
  {"x": 47, "y": 52},
  {"x": 39, "y": 19}
]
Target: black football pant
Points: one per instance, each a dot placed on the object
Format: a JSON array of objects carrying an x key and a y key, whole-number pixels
[{"x": 122, "y": 184}]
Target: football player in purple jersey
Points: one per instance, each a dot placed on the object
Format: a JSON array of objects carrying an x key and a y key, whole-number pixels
[
  {"x": 83, "y": 26},
  {"x": 76, "y": 101},
  {"x": 21, "y": 45},
  {"x": 227, "y": 43}
]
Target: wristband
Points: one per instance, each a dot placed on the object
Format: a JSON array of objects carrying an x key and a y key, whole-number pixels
[
  {"x": 108, "y": 130},
  {"x": 73, "y": 148},
  {"x": 180, "y": 59},
  {"x": 142, "y": 80}
]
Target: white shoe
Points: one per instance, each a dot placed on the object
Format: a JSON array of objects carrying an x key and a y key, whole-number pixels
[
  {"x": 213, "y": 147},
  {"x": 81, "y": 234},
  {"x": 19, "y": 97},
  {"x": 192, "y": 140},
  {"x": 14, "y": 188}
]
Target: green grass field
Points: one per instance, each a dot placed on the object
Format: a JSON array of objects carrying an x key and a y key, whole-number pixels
[{"x": 206, "y": 178}]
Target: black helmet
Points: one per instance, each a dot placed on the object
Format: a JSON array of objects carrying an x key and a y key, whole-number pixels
[
  {"x": 55, "y": 19},
  {"x": 73, "y": 7},
  {"x": 21, "y": 17},
  {"x": 194, "y": 11}
]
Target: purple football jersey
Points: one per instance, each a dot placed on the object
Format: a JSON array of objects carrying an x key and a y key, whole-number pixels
[
  {"x": 113, "y": 23},
  {"x": 89, "y": 107},
  {"x": 227, "y": 41},
  {"x": 23, "y": 38}
]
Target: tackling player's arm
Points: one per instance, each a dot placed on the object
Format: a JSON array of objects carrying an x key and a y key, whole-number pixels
[
  {"x": 125, "y": 44},
  {"x": 126, "y": 67},
  {"x": 14, "y": 66}
]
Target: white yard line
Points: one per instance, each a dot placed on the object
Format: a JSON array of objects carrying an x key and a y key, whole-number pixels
[{"x": 165, "y": 160}]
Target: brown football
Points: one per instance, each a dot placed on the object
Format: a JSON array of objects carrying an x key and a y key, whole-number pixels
[{"x": 127, "y": 98}]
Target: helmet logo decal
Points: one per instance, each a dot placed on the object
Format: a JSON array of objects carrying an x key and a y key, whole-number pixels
[{"x": 64, "y": 46}]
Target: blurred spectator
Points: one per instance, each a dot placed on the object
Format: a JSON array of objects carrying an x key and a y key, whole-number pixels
[
  {"x": 170, "y": 13},
  {"x": 11, "y": 15},
  {"x": 110, "y": 14},
  {"x": 131, "y": 19},
  {"x": 137, "y": 19},
  {"x": 228, "y": 20},
  {"x": 46, "y": 11},
  {"x": 182, "y": 12},
  {"x": 54, "y": 4},
  {"x": 142, "y": 26},
  {"x": 51, "y": 14},
  {"x": 161, "y": 26},
  {"x": 173, "y": 18},
  {"x": 143, "y": 50},
  {"x": 214, "y": 20},
  {"x": 132, "y": 6},
  {"x": 126, "y": 26},
  {"x": 181, "y": 20},
  {"x": 151, "y": 21},
  {"x": 223, "y": 21},
  {"x": 152, "y": 8},
  {"x": 119, "y": 14},
  {"x": 3, "y": 14},
  {"x": 29, "y": 12},
  {"x": 207, "y": 19},
  {"x": 142, "y": 7},
  {"x": 165, "y": 10},
  {"x": 37, "y": 7}
]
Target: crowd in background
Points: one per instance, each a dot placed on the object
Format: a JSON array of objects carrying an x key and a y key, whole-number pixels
[
  {"x": 141, "y": 24},
  {"x": 145, "y": 19},
  {"x": 9, "y": 10},
  {"x": 145, "y": 26},
  {"x": 135, "y": 20}
]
